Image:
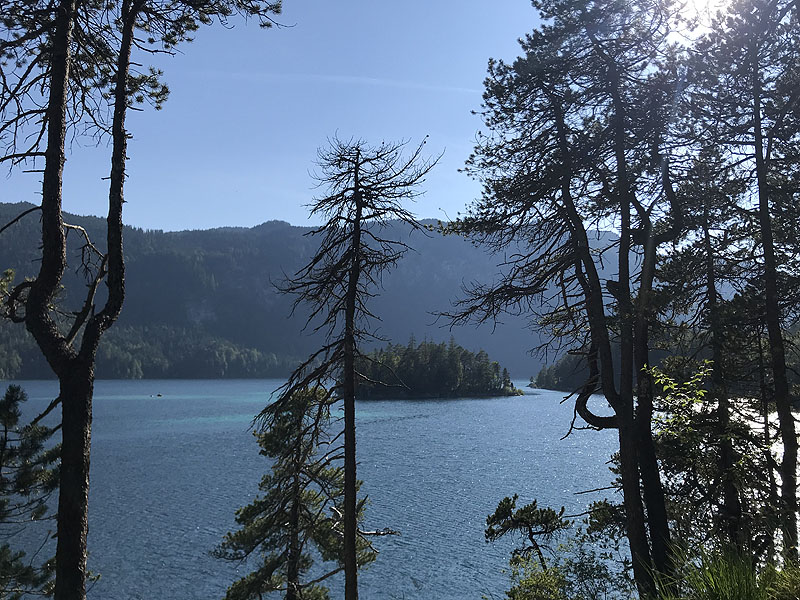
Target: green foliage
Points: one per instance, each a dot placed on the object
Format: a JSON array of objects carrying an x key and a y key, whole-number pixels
[
  {"x": 532, "y": 582},
  {"x": 150, "y": 352},
  {"x": 205, "y": 289},
  {"x": 680, "y": 400},
  {"x": 715, "y": 577},
  {"x": 430, "y": 370},
  {"x": 578, "y": 567},
  {"x": 783, "y": 583},
  {"x": 557, "y": 561},
  {"x": 726, "y": 575},
  {"x": 689, "y": 441},
  {"x": 27, "y": 479},
  {"x": 529, "y": 521},
  {"x": 300, "y": 505},
  {"x": 576, "y": 572},
  {"x": 165, "y": 352}
]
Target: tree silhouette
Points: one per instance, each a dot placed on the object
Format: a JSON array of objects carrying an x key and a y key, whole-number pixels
[
  {"x": 579, "y": 138},
  {"x": 366, "y": 187},
  {"x": 27, "y": 479},
  {"x": 65, "y": 65},
  {"x": 300, "y": 507}
]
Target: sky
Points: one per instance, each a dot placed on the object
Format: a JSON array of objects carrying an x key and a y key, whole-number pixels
[{"x": 236, "y": 143}]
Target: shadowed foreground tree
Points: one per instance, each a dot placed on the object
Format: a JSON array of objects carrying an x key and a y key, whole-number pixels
[
  {"x": 747, "y": 106},
  {"x": 367, "y": 187},
  {"x": 300, "y": 508},
  {"x": 66, "y": 69},
  {"x": 579, "y": 138},
  {"x": 27, "y": 479}
]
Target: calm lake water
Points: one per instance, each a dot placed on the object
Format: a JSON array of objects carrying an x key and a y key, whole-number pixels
[{"x": 168, "y": 473}]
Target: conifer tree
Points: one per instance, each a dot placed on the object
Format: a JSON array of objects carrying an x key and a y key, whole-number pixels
[
  {"x": 366, "y": 189},
  {"x": 579, "y": 134},
  {"x": 301, "y": 505},
  {"x": 746, "y": 101},
  {"x": 27, "y": 479},
  {"x": 63, "y": 65}
]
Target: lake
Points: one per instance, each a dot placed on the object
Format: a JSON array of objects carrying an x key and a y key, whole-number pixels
[{"x": 169, "y": 471}]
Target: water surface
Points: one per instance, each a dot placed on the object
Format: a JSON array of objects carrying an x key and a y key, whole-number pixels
[{"x": 169, "y": 471}]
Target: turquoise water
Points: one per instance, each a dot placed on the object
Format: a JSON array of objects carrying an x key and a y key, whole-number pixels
[{"x": 168, "y": 473}]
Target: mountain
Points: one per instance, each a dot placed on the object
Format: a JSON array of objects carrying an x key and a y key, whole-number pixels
[{"x": 203, "y": 303}]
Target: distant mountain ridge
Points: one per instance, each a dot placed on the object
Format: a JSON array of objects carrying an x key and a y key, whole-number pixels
[{"x": 211, "y": 291}]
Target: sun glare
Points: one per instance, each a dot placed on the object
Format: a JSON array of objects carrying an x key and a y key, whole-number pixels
[{"x": 703, "y": 11}]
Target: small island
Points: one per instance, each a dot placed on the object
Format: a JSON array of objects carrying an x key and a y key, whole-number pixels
[{"x": 431, "y": 370}]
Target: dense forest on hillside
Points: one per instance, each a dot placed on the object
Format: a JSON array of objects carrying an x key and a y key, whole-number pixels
[
  {"x": 203, "y": 304},
  {"x": 429, "y": 370}
]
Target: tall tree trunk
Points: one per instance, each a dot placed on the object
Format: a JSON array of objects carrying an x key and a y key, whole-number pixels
[
  {"x": 772, "y": 467},
  {"x": 76, "y": 392},
  {"x": 75, "y": 378},
  {"x": 629, "y": 434},
  {"x": 634, "y": 510},
  {"x": 622, "y": 401},
  {"x": 349, "y": 394},
  {"x": 652, "y": 489},
  {"x": 75, "y": 370},
  {"x": 788, "y": 468},
  {"x": 731, "y": 504},
  {"x": 53, "y": 263}
]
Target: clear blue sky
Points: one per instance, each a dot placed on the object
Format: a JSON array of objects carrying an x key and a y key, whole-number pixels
[{"x": 236, "y": 141}]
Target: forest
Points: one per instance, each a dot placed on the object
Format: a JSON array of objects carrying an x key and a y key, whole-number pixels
[
  {"x": 187, "y": 291},
  {"x": 639, "y": 171},
  {"x": 431, "y": 370}
]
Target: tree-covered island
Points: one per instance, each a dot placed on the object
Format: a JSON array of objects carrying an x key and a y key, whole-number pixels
[{"x": 431, "y": 370}]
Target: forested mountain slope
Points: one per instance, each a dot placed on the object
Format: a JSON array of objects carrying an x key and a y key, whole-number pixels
[{"x": 203, "y": 304}]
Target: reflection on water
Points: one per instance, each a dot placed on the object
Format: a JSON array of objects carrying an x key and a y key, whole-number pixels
[{"x": 169, "y": 471}]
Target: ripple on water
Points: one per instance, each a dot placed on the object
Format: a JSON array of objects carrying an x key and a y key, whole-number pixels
[{"x": 168, "y": 473}]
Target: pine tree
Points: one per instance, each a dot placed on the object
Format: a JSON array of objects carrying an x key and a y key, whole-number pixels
[
  {"x": 300, "y": 506},
  {"x": 367, "y": 187},
  {"x": 67, "y": 66},
  {"x": 27, "y": 479},
  {"x": 746, "y": 103},
  {"x": 579, "y": 134}
]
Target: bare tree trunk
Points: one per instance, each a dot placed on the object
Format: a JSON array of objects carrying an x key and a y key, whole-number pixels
[
  {"x": 622, "y": 401},
  {"x": 634, "y": 510},
  {"x": 772, "y": 467},
  {"x": 75, "y": 382},
  {"x": 73, "y": 499},
  {"x": 652, "y": 488},
  {"x": 349, "y": 394},
  {"x": 629, "y": 435},
  {"x": 788, "y": 468},
  {"x": 732, "y": 507},
  {"x": 53, "y": 263}
]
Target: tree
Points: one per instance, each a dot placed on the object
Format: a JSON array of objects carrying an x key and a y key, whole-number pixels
[
  {"x": 747, "y": 101},
  {"x": 579, "y": 134},
  {"x": 65, "y": 64},
  {"x": 366, "y": 188},
  {"x": 300, "y": 508},
  {"x": 27, "y": 479},
  {"x": 706, "y": 260},
  {"x": 531, "y": 522},
  {"x": 578, "y": 565}
]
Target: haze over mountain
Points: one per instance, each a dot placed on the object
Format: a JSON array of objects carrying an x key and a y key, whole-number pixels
[{"x": 203, "y": 303}]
